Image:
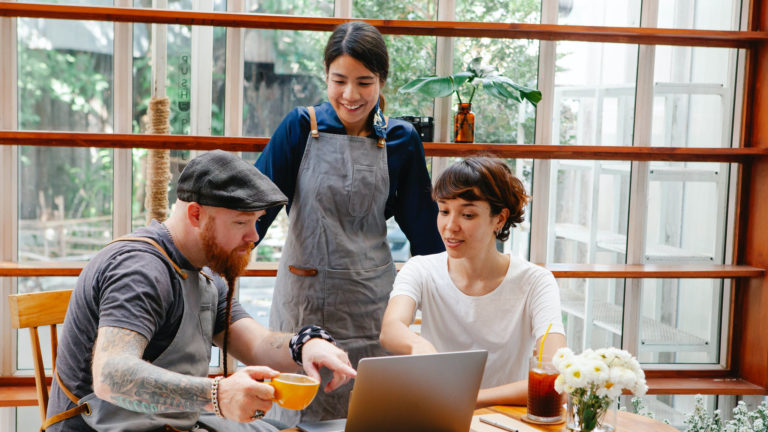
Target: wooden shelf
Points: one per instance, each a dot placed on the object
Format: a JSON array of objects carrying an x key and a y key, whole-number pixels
[
  {"x": 612, "y": 271},
  {"x": 18, "y": 395},
  {"x": 714, "y": 386},
  {"x": 64, "y": 268},
  {"x": 551, "y": 32},
  {"x": 257, "y": 144},
  {"x": 654, "y": 271}
]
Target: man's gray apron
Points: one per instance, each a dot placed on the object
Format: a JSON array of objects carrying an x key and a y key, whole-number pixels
[
  {"x": 336, "y": 268},
  {"x": 189, "y": 353}
]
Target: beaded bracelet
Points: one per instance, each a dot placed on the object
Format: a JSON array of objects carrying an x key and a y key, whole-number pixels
[
  {"x": 215, "y": 396},
  {"x": 305, "y": 334}
]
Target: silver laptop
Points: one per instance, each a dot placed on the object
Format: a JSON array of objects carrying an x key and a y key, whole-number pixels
[{"x": 433, "y": 392}]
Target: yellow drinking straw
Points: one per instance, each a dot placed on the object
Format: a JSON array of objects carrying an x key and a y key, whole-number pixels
[{"x": 541, "y": 348}]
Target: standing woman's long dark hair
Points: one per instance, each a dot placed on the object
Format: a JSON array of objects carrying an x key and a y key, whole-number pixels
[{"x": 364, "y": 43}]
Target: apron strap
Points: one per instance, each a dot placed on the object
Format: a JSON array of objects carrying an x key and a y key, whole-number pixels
[
  {"x": 178, "y": 269},
  {"x": 381, "y": 143},
  {"x": 313, "y": 122},
  {"x": 64, "y": 388},
  {"x": 79, "y": 409}
]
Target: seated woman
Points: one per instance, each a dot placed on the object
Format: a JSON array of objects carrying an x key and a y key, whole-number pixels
[{"x": 472, "y": 296}]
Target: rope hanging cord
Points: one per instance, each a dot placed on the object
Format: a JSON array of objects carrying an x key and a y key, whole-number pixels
[{"x": 159, "y": 162}]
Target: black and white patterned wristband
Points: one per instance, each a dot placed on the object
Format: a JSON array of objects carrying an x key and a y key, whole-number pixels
[{"x": 305, "y": 334}]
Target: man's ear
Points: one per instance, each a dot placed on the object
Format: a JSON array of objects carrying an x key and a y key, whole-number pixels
[{"x": 194, "y": 214}]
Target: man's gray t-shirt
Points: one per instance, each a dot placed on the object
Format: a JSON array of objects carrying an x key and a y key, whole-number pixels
[{"x": 129, "y": 285}]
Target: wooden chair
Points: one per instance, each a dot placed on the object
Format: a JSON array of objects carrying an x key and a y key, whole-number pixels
[{"x": 34, "y": 310}]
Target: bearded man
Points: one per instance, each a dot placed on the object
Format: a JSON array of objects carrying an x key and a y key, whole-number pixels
[{"x": 135, "y": 347}]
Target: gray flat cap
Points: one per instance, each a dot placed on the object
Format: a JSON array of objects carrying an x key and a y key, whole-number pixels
[{"x": 221, "y": 179}]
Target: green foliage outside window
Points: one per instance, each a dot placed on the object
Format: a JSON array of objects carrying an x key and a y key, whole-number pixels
[{"x": 72, "y": 90}]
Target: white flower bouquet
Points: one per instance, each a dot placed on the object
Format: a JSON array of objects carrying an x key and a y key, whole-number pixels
[{"x": 592, "y": 380}]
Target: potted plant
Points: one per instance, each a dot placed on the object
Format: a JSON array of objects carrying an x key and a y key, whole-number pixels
[{"x": 468, "y": 82}]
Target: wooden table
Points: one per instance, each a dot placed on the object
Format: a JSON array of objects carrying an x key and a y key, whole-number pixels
[{"x": 627, "y": 422}]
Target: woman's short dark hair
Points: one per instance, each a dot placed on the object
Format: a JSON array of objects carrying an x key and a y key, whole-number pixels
[{"x": 485, "y": 179}]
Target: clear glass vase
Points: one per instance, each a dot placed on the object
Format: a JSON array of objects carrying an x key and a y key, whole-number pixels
[{"x": 591, "y": 413}]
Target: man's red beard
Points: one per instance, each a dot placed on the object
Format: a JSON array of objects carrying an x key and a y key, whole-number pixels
[{"x": 229, "y": 265}]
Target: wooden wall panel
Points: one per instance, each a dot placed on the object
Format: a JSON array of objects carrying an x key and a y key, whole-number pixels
[{"x": 750, "y": 331}]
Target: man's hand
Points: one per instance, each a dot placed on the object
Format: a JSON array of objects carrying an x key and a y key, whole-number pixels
[
  {"x": 317, "y": 353},
  {"x": 242, "y": 393}
]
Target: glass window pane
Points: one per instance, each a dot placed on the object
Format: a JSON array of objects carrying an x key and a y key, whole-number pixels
[
  {"x": 255, "y": 294},
  {"x": 409, "y": 57},
  {"x": 65, "y": 202},
  {"x": 594, "y": 98},
  {"x": 588, "y": 212},
  {"x": 520, "y": 237},
  {"x": 65, "y": 84},
  {"x": 384, "y": 9},
  {"x": 75, "y": 2},
  {"x": 178, "y": 80},
  {"x": 319, "y": 8},
  {"x": 693, "y": 97},
  {"x": 675, "y": 408},
  {"x": 218, "y": 5},
  {"x": 699, "y": 14},
  {"x": 515, "y": 11},
  {"x": 624, "y": 13},
  {"x": 680, "y": 321},
  {"x": 592, "y": 312},
  {"x": 27, "y": 419},
  {"x": 65, "y": 75},
  {"x": 682, "y": 227},
  {"x": 283, "y": 69}
]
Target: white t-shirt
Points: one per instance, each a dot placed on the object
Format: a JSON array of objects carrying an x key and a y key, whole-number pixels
[{"x": 506, "y": 322}]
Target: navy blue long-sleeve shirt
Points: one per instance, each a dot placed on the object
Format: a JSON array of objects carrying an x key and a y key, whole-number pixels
[{"x": 409, "y": 200}]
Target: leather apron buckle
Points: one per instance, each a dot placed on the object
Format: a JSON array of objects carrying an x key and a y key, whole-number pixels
[{"x": 305, "y": 272}]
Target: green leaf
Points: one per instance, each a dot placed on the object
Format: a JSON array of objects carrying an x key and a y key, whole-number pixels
[
  {"x": 412, "y": 85},
  {"x": 506, "y": 92},
  {"x": 460, "y": 78},
  {"x": 532, "y": 95},
  {"x": 474, "y": 65},
  {"x": 431, "y": 86}
]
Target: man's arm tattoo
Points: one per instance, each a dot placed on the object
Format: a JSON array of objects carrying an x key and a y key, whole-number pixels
[
  {"x": 137, "y": 385},
  {"x": 279, "y": 340}
]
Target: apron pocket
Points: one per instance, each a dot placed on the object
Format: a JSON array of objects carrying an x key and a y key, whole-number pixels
[
  {"x": 362, "y": 190},
  {"x": 356, "y": 301},
  {"x": 206, "y": 322}
]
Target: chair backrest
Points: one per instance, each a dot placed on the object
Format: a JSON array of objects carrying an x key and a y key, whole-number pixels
[{"x": 35, "y": 310}]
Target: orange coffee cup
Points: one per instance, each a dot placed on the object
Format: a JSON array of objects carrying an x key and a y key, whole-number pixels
[{"x": 294, "y": 391}]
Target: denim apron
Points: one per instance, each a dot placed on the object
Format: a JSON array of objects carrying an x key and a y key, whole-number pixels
[
  {"x": 189, "y": 354},
  {"x": 336, "y": 269}
]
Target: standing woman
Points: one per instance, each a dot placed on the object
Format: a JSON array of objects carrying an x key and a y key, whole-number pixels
[{"x": 346, "y": 169}]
